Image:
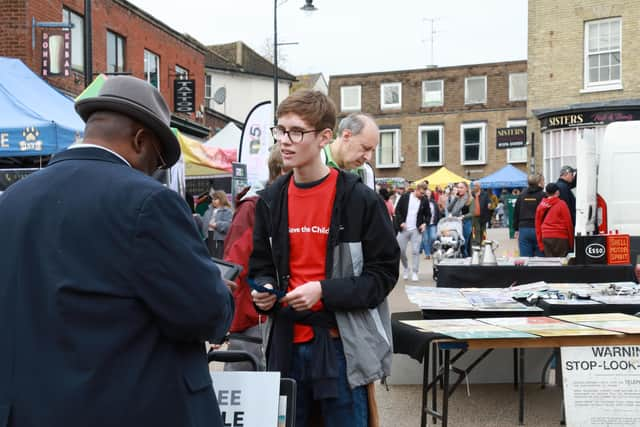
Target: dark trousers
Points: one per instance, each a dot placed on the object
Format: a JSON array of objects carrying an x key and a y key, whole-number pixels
[
  {"x": 555, "y": 247},
  {"x": 216, "y": 247}
]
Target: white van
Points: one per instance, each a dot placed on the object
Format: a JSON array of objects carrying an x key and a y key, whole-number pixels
[{"x": 608, "y": 186}]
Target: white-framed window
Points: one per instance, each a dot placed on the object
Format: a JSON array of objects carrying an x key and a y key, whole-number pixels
[
  {"x": 603, "y": 54},
  {"x": 518, "y": 87},
  {"x": 208, "y": 90},
  {"x": 473, "y": 143},
  {"x": 152, "y": 68},
  {"x": 558, "y": 149},
  {"x": 516, "y": 155},
  {"x": 77, "y": 38},
  {"x": 475, "y": 90},
  {"x": 432, "y": 93},
  {"x": 430, "y": 140},
  {"x": 350, "y": 98},
  {"x": 115, "y": 52},
  {"x": 390, "y": 95},
  {"x": 388, "y": 150},
  {"x": 181, "y": 73}
]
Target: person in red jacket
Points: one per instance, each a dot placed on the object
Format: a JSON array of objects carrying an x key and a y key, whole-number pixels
[
  {"x": 554, "y": 228},
  {"x": 245, "y": 333}
]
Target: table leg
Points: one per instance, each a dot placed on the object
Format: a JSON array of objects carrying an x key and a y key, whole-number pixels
[
  {"x": 515, "y": 368},
  {"x": 445, "y": 394},
  {"x": 521, "y": 385},
  {"x": 425, "y": 383},
  {"x": 434, "y": 373}
]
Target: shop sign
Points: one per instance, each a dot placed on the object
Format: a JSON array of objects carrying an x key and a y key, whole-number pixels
[
  {"x": 184, "y": 96},
  {"x": 512, "y": 137},
  {"x": 56, "y": 52},
  {"x": 587, "y": 119}
]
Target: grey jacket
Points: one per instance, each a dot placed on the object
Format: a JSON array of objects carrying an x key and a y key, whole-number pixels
[{"x": 222, "y": 218}]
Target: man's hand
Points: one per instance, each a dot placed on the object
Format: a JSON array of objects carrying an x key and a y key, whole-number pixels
[
  {"x": 422, "y": 227},
  {"x": 231, "y": 285},
  {"x": 264, "y": 300},
  {"x": 304, "y": 296},
  {"x": 516, "y": 235},
  {"x": 403, "y": 226}
]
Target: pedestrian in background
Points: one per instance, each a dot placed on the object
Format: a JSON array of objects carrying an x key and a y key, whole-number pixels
[
  {"x": 219, "y": 223},
  {"x": 459, "y": 207},
  {"x": 105, "y": 323},
  {"x": 479, "y": 211},
  {"x": 412, "y": 217},
  {"x": 554, "y": 230},
  {"x": 524, "y": 216},
  {"x": 429, "y": 234},
  {"x": 565, "y": 183}
]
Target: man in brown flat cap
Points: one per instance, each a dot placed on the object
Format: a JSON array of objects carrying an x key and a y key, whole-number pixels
[{"x": 103, "y": 322}]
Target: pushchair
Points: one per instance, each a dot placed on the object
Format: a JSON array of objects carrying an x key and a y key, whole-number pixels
[{"x": 449, "y": 240}]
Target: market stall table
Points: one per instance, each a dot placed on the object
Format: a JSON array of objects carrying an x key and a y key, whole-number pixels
[{"x": 480, "y": 276}]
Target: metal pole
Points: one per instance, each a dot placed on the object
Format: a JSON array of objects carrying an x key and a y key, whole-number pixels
[
  {"x": 88, "y": 42},
  {"x": 533, "y": 153},
  {"x": 275, "y": 61}
]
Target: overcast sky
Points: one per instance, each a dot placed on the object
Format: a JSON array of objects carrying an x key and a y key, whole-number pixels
[{"x": 358, "y": 36}]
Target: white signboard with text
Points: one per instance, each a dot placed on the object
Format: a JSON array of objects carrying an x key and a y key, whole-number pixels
[
  {"x": 601, "y": 386},
  {"x": 247, "y": 399}
]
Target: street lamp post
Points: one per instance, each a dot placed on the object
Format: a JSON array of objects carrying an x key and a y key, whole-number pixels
[{"x": 308, "y": 7}]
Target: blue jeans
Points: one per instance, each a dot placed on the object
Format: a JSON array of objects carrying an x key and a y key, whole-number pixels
[
  {"x": 527, "y": 242},
  {"x": 466, "y": 233},
  {"x": 428, "y": 237},
  {"x": 349, "y": 409}
]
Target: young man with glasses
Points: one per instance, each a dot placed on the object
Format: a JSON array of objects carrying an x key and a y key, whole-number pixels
[{"x": 324, "y": 242}]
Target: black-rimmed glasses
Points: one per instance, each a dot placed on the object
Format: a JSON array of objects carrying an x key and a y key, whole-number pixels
[{"x": 295, "y": 135}]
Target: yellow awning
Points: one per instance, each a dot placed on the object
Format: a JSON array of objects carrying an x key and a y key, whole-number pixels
[{"x": 441, "y": 177}]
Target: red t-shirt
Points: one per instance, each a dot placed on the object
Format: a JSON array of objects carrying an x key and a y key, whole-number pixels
[{"x": 309, "y": 219}]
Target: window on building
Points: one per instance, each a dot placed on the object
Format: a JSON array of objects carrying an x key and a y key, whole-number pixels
[
  {"x": 152, "y": 68},
  {"x": 208, "y": 90},
  {"x": 558, "y": 149},
  {"x": 115, "y": 53},
  {"x": 475, "y": 90},
  {"x": 432, "y": 93},
  {"x": 77, "y": 38},
  {"x": 516, "y": 155},
  {"x": 603, "y": 53},
  {"x": 388, "y": 150},
  {"x": 518, "y": 87},
  {"x": 430, "y": 138},
  {"x": 350, "y": 98},
  {"x": 181, "y": 73},
  {"x": 473, "y": 138},
  {"x": 390, "y": 95}
]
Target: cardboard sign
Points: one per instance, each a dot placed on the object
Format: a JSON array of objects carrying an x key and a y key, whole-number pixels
[
  {"x": 247, "y": 399},
  {"x": 601, "y": 385}
]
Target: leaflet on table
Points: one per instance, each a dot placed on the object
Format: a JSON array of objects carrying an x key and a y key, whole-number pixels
[
  {"x": 428, "y": 298},
  {"x": 494, "y": 299},
  {"x": 570, "y": 302},
  {"x": 545, "y": 326},
  {"x": 617, "y": 299},
  {"x": 466, "y": 329},
  {"x": 618, "y": 322}
]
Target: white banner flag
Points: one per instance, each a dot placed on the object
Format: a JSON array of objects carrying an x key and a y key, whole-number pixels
[{"x": 255, "y": 142}]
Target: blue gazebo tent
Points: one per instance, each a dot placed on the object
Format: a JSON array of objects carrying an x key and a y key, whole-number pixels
[
  {"x": 35, "y": 118},
  {"x": 507, "y": 177}
]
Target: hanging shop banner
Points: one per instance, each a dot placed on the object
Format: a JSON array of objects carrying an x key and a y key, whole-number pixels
[
  {"x": 184, "y": 96},
  {"x": 512, "y": 137},
  {"x": 56, "y": 52},
  {"x": 255, "y": 142},
  {"x": 601, "y": 385}
]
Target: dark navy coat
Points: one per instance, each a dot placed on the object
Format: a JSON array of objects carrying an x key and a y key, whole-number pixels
[{"x": 107, "y": 294}]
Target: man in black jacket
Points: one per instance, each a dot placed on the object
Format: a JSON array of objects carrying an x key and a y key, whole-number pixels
[
  {"x": 412, "y": 216},
  {"x": 480, "y": 215},
  {"x": 524, "y": 216},
  {"x": 566, "y": 182}
]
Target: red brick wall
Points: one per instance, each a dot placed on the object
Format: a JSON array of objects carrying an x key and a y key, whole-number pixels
[
  {"x": 139, "y": 33},
  {"x": 497, "y": 110}
]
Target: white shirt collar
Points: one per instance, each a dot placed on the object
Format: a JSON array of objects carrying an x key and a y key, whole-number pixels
[{"x": 83, "y": 145}]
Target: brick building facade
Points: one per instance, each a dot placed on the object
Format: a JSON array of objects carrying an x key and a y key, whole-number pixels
[
  {"x": 439, "y": 116},
  {"x": 583, "y": 73},
  {"x": 124, "y": 39}
]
